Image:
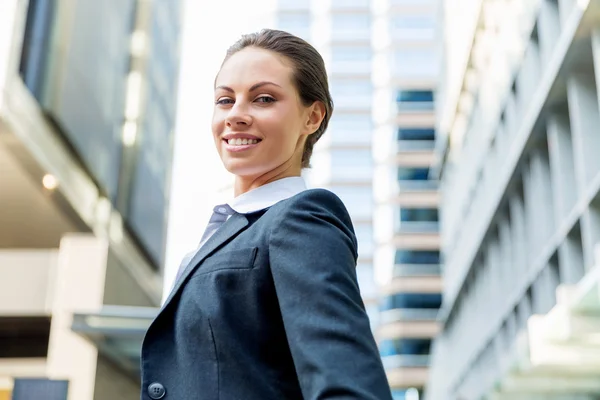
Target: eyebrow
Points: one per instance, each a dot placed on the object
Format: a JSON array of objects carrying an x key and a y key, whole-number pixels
[{"x": 254, "y": 87}]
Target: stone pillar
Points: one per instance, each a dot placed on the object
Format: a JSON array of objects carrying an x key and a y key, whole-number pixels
[{"x": 80, "y": 280}]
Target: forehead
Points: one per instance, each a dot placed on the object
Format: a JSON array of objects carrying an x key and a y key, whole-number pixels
[{"x": 251, "y": 65}]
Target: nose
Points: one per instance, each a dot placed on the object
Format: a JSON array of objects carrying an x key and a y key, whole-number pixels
[{"x": 238, "y": 116}]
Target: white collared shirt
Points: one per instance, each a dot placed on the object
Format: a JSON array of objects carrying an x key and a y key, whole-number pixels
[
  {"x": 254, "y": 200},
  {"x": 267, "y": 195}
]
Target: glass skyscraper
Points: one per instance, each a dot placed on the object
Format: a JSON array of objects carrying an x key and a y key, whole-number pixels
[
  {"x": 88, "y": 100},
  {"x": 376, "y": 155}
]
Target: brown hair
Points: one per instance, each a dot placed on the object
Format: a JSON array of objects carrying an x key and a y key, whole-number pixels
[{"x": 310, "y": 76}]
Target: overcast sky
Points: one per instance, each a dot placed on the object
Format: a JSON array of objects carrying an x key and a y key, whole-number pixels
[{"x": 209, "y": 28}]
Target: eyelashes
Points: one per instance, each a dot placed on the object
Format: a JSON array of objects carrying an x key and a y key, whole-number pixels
[{"x": 260, "y": 99}]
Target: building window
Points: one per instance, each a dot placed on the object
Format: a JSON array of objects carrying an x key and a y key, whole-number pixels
[
  {"x": 412, "y": 300},
  {"x": 419, "y": 214},
  {"x": 405, "y": 346},
  {"x": 415, "y": 100},
  {"x": 416, "y": 134},
  {"x": 34, "y": 53},
  {"x": 411, "y": 257},
  {"x": 413, "y": 174}
]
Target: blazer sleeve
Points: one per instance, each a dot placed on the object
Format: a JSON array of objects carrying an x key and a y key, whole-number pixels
[{"x": 312, "y": 253}]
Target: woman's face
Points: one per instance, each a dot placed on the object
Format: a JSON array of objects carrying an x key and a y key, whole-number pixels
[{"x": 259, "y": 122}]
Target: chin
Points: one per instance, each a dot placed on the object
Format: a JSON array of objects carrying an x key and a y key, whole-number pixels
[{"x": 244, "y": 168}]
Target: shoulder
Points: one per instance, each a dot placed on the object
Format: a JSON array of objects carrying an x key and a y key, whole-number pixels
[{"x": 314, "y": 200}]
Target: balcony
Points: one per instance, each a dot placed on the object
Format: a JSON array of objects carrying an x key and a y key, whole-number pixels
[
  {"x": 414, "y": 284},
  {"x": 415, "y": 193},
  {"x": 417, "y": 235},
  {"x": 415, "y": 119},
  {"x": 558, "y": 353},
  {"x": 414, "y": 153},
  {"x": 408, "y": 314},
  {"x": 406, "y": 361}
]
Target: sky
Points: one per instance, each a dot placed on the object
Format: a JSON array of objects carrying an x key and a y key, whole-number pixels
[{"x": 209, "y": 28}]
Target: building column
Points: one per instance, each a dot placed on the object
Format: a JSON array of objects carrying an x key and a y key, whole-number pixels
[{"x": 80, "y": 279}]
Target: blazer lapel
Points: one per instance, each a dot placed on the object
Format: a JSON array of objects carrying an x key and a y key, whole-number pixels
[{"x": 232, "y": 227}]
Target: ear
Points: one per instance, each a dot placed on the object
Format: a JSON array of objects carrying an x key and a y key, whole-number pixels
[{"x": 314, "y": 117}]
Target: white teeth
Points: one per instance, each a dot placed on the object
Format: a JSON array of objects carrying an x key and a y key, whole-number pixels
[{"x": 241, "y": 142}]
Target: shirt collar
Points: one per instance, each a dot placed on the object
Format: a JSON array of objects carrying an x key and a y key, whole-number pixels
[{"x": 267, "y": 195}]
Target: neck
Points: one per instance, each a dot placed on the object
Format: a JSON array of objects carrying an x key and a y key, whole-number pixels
[{"x": 244, "y": 184}]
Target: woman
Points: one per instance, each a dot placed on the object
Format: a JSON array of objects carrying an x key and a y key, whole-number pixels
[{"x": 269, "y": 306}]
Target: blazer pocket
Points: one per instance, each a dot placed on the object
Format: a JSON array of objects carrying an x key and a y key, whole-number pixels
[{"x": 229, "y": 260}]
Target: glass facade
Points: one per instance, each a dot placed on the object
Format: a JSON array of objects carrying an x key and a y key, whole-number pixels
[
  {"x": 416, "y": 134},
  {"x": 405, "y": 346},
  {"x": 417, "y": 257},
  {"x": 413, "y": 174},
  {"x": 70, "y": 56},
  {"x": 145, "y": 214},
  {"x": 411, "y": 300},
  {"x": 419, "y": 214}
]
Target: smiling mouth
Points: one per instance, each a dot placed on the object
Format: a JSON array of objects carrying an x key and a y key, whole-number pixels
[{"x": 241, "y": 142}]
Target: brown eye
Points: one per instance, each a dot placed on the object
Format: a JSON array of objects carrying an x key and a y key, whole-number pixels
[
  {"x": 265, "y": 99},
  {"x": 224, "y": 101}
]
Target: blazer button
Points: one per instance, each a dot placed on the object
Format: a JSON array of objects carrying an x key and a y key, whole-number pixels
[{"x": 156, "y": 391}]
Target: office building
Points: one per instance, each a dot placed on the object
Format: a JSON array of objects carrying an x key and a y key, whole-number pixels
[
  {"x": 383, "y": 65},
  {"x": 342, "y": 160},
  {"x": 520, "y": 180},
  {"x": 406, "y": 65},
  {"x": 87, "y": 108}
]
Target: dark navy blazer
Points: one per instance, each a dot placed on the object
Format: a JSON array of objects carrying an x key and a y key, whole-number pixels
[{"x": 269, "y": 308}]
